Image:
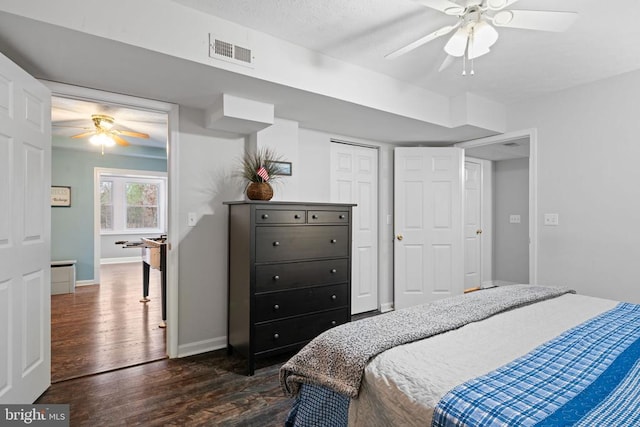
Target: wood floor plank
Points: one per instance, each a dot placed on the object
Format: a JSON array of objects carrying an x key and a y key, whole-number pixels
[{"x": 104, "y": 327}]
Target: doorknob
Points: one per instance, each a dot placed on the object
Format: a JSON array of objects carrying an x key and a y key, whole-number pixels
[
  {"x": 478, "y": 231},
  {"x": 399, "y": 237}
]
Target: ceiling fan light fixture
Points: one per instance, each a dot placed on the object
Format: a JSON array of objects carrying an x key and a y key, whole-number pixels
[
  {"x": 102, "y": 139},
  {"x": 484, "y": 35},
  {"x": 457, "y": 44},
  {"x": 102, "y": 121}
]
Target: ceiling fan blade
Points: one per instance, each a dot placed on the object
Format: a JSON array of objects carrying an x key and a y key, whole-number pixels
[
  {"x": 447, "y": 62},
  {"x": 444, "y": 6},
  {"x": 534, "y": 20},
  {"x": 119, "y": 140},
  {"x": 499, "y": 4},
  {"x": 84, "y": 134},
  {"x": 132, "y": 134},
  {"x": 426, "y": 39}
]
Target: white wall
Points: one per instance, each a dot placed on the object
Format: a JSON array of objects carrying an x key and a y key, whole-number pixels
[
  {"x": 207, "y": 165},
  {"x": 588, "y": 173},
  {"x": 511, "y": 241},
  {"x": 207, "y": 179}
]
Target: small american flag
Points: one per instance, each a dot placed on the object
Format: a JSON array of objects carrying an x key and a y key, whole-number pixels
[{"x": 262, "y": 173}]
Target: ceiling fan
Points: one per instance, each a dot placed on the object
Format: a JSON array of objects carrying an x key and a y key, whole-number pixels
[
  {"x": 105, "y": 135},
  {"x": 474, "y": 30}
]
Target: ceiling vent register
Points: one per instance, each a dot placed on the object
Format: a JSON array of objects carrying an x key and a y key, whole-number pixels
[{"x": 227, "y": 51}]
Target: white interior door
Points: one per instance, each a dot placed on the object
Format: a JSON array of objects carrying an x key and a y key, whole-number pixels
[
  {"x": 429, "y": 245},
  {"x": 354, "y": 179},
  {"x": 25, "y": 235},
  {"x": 472, "y": 224}
]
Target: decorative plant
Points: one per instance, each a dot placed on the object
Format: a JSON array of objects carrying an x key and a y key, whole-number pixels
[{"x": 258, "y": 166}]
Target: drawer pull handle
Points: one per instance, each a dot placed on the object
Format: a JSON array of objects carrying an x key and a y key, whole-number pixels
[
  {"x": 276, "y": 243},
  {"x": 333, "y": 271},
  {"x": 334, "y": 241},
  {"x": 276, "y": 307},
  {"x": 334, "y": 323},
  {"x": 314, "y": 216},
  {"x": 296, "y": 216},
  {"x": 265, "y": 216},
  {"x": 276, "y": 336},
  {"x": 276, "y": 277},
  {"x": 333, "y": 297},
  {"x": 341, "y": 217}
]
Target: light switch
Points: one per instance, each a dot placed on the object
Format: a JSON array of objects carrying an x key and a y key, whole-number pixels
[
  {"x": 551, "y": 219},
  {"x": 514, "y": 219},
  {"x": 192, "y": 219}
]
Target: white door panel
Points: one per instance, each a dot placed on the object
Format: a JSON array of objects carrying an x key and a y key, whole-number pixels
[
  {"x": 354, "y": 179},
  {"x": 25, "y": 235},
  {"x": 428, "y": 248},
  {"x": 472, "y": 224}
]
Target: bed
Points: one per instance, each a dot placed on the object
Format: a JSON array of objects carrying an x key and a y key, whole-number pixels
[{"x": 514, "y": 355}]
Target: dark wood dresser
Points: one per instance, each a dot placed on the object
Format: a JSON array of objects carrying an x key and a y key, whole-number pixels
[{"x": 289, "y": 274}]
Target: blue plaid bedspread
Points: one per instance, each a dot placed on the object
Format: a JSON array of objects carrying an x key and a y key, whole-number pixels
[{"x": 588, "y": 376}]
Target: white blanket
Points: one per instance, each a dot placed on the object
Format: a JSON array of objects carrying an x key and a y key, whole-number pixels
[{"x": 402, "y": 386}]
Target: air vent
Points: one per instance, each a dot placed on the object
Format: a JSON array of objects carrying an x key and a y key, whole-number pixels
[{"x": 225, "y": 50}]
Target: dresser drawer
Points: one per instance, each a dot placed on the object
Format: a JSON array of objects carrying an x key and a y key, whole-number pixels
[
  {"x": 328, "y": 217},
  {"x": 277, "y": 305},
  {"x": 302, "y": 242},
  {"x": 277, "y": 277},
  {"x": 266, "y": 216},
  {"x": 296, "y": 330}
]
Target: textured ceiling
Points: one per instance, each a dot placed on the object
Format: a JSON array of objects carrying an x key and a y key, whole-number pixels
[{"x": 603, "y": 42}]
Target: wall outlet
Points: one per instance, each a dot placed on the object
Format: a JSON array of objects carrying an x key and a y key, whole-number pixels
[
  {"x": 551, "y": 219},
  {"x": 514, "y": 219},
  {"x": 192, "y": 219}
]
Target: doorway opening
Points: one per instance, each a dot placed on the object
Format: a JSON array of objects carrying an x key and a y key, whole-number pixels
[
  {"x": 510, "y": 213},
  {"x": 102, "y": 325}
]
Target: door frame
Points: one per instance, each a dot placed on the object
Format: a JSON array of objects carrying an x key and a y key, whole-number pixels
[
  {"x": 172, "y": 112},
  {"x": 532, "y": 134}
]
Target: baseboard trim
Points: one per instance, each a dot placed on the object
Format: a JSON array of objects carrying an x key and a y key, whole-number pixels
[
  {"x": 204, "y": 346},
  {"x": 85, "y": 283},
  {"x": 120, "y": 260},
  {"x": 387, "y": 306}
]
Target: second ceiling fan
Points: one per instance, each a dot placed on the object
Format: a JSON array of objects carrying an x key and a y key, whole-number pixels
[
  {"x": 474, "y": 30},
  {"x": 104, "y": 131}
]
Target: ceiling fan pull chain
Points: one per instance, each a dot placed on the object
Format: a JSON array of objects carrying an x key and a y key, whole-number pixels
[
  {"x": 464, "y": 64},
  {"x": 472, "y": 71}
]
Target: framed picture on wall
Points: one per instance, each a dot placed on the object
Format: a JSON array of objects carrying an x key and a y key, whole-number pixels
[
  {"x": 283, "y": 168},
  {"x": 60, "y": 196}
]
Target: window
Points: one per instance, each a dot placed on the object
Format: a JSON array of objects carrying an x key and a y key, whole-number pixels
[
  {"x": 132, "y": 204},
  {"x": 106, "y": 205}
]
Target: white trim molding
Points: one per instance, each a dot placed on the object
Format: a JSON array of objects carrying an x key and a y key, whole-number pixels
[{"x": 78, "y": 92}]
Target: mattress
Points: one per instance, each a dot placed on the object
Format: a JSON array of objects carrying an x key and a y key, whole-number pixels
[{"x": 402, "y": 385}]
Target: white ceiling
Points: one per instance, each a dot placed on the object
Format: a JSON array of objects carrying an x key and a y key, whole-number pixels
[
  {"x": 603, "y": 42},
  {"x": 523, "y": 64}
]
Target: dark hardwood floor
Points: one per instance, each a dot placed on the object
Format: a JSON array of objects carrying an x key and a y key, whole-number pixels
[
  {"x": 103, "y": 327},
  {"x": 205, "y": 390}
]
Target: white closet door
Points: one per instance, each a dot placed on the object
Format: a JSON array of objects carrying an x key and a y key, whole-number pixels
[
  {"x": 428, "y": 223},
  {"x": 354, "y": 179}
]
